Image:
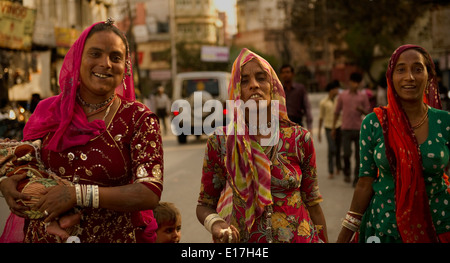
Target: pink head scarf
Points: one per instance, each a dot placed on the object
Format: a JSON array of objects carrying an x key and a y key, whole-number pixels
[{"x": 61, "y": 114}]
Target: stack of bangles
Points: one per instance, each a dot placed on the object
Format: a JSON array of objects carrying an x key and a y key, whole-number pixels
[
  {"x": 211, "y": 219},
  {"x": 87, "y": 195},
  {"x": 351, "y": 222}
]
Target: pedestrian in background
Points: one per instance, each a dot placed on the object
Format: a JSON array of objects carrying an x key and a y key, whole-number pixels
[
  {"x": 297, "y": 100},
  {"x": 352, "y": 105},
  {"x": 326, "y": 117},
  {"x": 98, "y": 137},
  {"x": 162, "y": 104},
  {"x": 251, "y": 192},
  {"x": 403, "y": 192}
]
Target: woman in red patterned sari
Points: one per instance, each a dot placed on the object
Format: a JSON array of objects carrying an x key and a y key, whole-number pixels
[
  {"x": 259, "y": 187},
  {"x": 95, "y": 135}
]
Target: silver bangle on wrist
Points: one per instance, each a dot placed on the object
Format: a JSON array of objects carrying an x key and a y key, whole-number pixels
[{"x": 210, "y": 220}]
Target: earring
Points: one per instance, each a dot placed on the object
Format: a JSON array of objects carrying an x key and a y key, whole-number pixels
[
  {"x": 128, "y": 65},
  {"x": 123, "y": 84}
]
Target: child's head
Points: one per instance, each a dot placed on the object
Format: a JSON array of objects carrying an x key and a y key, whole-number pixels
[{"x": 168, "y": 218}]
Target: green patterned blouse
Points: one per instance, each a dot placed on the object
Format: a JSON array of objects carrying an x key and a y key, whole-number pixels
[{"x": 379, "y": 219}]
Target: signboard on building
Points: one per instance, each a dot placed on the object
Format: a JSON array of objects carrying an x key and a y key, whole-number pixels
[
  {"x": 215, "y": 54},
  {"x": 64, "y": 38},
  {"x": 16, "y": 26}
]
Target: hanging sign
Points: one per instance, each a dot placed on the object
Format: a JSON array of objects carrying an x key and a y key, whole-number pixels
[{"x": 16, "y": 25}]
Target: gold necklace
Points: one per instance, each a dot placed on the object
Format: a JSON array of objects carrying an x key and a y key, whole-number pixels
[{"x": 422, "y": 121}]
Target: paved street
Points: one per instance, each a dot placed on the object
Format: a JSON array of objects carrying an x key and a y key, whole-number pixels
[
  {"x": 182, "y": 174},
  {"x": 182, "y": 182}
]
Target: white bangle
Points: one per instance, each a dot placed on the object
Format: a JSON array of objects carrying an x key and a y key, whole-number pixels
[
  {"x": 78, "y": 195},
  {"x": 350, "y": 226},
  {"x": 353, "y": 220},
  {"x": 210, "y": 220},
  {"x": 87, "y": 195},
  {"x": 96, "y": 197}
]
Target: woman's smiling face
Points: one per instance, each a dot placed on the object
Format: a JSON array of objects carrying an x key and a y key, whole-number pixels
[
  {"x": 410, "y": 76},
  {"x": 102, "y": 64}
]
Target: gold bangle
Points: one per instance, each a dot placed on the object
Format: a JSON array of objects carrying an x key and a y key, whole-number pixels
[{"x": 354, "y": 213}]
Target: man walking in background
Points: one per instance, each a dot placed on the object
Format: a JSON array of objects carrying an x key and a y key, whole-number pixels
[
  {"x": 353, "y": 104},
  {"x": 297, "y": 101}
]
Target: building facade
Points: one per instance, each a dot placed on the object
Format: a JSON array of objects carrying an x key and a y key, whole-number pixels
[{"x": 196, "y": 23}]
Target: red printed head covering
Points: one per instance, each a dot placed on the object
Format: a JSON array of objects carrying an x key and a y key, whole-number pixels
[
  {"x": 61, "y": 114},
  {"x": 402, "y": 150}
]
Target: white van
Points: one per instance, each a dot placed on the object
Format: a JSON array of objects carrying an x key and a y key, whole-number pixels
[{"x": 212, "y": 85}]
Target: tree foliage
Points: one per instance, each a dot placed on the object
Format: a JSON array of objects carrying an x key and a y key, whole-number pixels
[{"x": 362, "y": 24}]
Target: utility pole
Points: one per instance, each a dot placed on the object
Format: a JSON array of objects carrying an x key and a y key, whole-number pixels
[
  {"x": 133, "y": 47},
  {"x": 173, "y": 40}
]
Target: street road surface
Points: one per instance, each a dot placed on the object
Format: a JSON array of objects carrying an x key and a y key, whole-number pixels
[{"x": 182, "y": 174}]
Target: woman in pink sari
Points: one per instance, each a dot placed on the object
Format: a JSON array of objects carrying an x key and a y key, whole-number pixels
[{"x": 95, "y": 135}]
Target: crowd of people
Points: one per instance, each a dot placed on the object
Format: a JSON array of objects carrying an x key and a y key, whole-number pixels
[{"x": 90, "y": 167}]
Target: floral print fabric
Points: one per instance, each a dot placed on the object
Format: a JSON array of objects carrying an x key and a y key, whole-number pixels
[{"x": 293, "y": 187}]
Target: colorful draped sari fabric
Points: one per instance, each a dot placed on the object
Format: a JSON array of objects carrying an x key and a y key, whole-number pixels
[
  {"x": 412, "y": 207},
  {"x": 247, "y": 182},
  {"x": 246, "y": 160}
]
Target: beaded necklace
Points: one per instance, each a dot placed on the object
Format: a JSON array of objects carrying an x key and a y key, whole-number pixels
[{"x": 95, "y": 107}]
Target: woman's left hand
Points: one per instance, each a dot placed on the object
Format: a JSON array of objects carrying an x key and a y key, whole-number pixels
[
  {"x": 221, "y": 233},
  {"x": 55, "y": 201}
]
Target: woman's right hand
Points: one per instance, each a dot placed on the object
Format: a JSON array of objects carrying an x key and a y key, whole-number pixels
[
  {"x": 220, "y": 233},
  {"x": 8, "y": 187}
]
